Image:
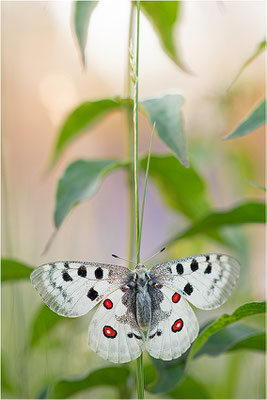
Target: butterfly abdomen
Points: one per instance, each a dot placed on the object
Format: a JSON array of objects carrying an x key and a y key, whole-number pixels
[{"x": 143, "y": 302}]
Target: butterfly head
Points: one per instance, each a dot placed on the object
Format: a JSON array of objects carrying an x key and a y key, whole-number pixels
[{"x": 140, "y": 267}]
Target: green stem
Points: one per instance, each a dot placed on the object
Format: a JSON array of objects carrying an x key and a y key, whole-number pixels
[
  {"x": 135, "y": 121},
  {"x": 139, "y": 361},
  {"x": 130, "y": 145}
]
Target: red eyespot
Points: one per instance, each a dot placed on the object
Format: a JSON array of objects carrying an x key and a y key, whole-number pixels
[
  {"x": 108, "y": 304},
  {"x": 109, "y": 332},
  {"x": 177, "y": 326},
  {"x": 176, "y": 297}
]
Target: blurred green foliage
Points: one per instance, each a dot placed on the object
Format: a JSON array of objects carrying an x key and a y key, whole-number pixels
[
  {"x": 52, "y": 350},
  {"x": 255, "y": 119},
  {"x": 82, "y": 14}
]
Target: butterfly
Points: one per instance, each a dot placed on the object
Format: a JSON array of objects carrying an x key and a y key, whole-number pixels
[{"x": 140, "y": 309}]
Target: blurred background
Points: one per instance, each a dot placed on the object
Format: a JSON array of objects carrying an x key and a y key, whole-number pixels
[{"x": 42, "y": 81}]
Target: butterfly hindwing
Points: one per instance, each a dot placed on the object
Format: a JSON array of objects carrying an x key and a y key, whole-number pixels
[
  {"x": 113, "y": 332},
  {"x": 171, "y": 334},
  {"x": 205, "y": 280},
  {"x": 73, "y": 288}
]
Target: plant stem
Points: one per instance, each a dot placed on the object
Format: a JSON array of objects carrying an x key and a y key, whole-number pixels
[
  {"x": 139, "y": 361},
  {"x": 135, "y": 122},
  {"x": 130, "y": 145}
]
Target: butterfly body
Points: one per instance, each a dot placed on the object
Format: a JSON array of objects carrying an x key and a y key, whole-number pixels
[{"x": 140, "y": 309}]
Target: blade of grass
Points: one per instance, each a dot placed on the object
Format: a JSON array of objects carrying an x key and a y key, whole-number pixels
[{"x": 146, "y": 179}]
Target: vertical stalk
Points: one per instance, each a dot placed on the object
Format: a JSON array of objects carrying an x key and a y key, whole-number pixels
[
  {"x": 135, "y": 123},
  {"x": 139, "y": 361},
  {"x": 132, "y": 122},
  {"x": 130, "y": 145}
]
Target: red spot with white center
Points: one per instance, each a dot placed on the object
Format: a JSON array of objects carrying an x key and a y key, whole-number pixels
[
  {"x": 177, "y": 326},
  {"x": 108, "y": 304},
  {"x": 109, "y": 332},
  {"x": 176, "y": 297}
]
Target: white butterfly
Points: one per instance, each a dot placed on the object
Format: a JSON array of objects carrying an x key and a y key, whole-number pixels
[{"x": 139, "y": 309}]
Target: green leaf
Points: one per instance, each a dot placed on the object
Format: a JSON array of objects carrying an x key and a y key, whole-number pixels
[
  {"x": 244, "y": 311},
  {"x": 170, "y": 374},
  {"x": 189, "y": 388},
  {"x": 82, "y": 14},
  {"x": 164, "y": 15},
  {"x": 255, "y": 119},
  {"x": 259, "y": 49},
  {"x": 183, "y": 189},
  {"x": 166, "y": 113},
  {"x": 232, "y": 338},
  {"x": 110, "y": 376},
  {"x": 43, "y": 322},
  {"x": 13, "y": 270},
  {"x": 246, "y": 213},
  {"x": 82, "y": 118},
  {"x": 80, "y": 181},
  {"x": 256, "y": 342}
]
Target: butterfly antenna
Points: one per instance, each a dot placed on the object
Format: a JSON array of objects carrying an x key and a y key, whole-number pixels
[
  {"x": 154, "y": 255},
  {"x": 124, "y": 259}
]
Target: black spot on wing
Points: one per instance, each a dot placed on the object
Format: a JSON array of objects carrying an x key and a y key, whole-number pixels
[
  {"x": 66, "y": 276},
  {"x": 137, "y": 336},
  {"x": 208, "y": 269},
  {"x": 194, "y": 265},
  {"x": 99, "y": 273},
  {"x": 131, "y": 335},
  {"x": 66, "y": 265},
  {"x": 207, "y": 258},
  {"x": 92, "y": 294},
  {"x": 82, "y": 271},
  {"x": 158, "y": 333},
  {"x": 188, "y": 289},
  {"x": 179, "y": 269}
]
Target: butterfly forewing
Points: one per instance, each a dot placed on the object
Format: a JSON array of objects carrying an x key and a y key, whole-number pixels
[
  {"x": 73, "y": 288},
  {"x": 113, "y": 332},
  {"x": 174, "y": 329},
  {"x": 205, "y": 280}
]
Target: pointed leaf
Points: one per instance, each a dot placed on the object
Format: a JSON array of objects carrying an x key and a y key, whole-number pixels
[
  {"x": 13, "y": 270},
  {"x": 183, "y": 189},
  {"x": 166, "y": 113},
  {"x": 246, "y": 213},
  {"x": 255, "y": 119},
  {"x": 259, "y": 49},
  {"x": 110, "y": 376},
  {"x": 80, "y": 181},
  {"x": 43, "y": 322},
  {"x": 82, "y": 14},
  {"x": 243, "y": 311},
  {"x": 164, "y": 16},
  {"x": 82, "y": 118}
]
